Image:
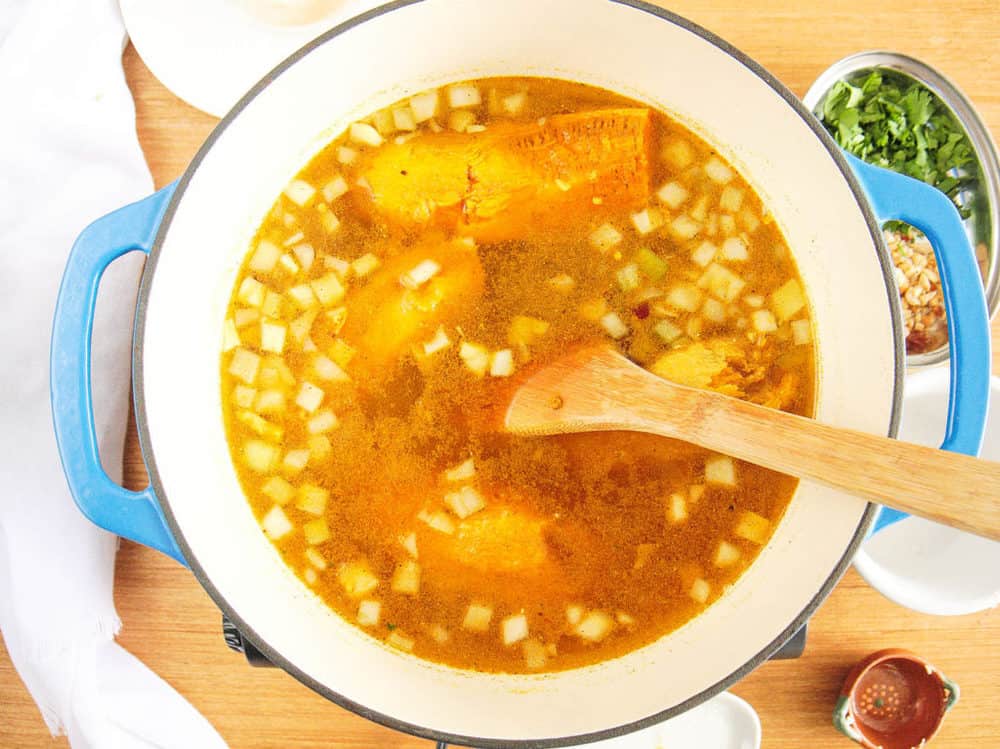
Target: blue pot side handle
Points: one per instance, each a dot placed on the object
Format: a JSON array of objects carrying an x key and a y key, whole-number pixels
[
  {"x": 134, "y": 515},
  {"x": 897, "y": 197}
]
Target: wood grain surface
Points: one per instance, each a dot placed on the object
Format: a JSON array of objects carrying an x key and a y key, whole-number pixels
[{"x": 172, "y": 625}]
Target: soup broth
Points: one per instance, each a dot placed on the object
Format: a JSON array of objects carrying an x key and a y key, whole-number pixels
[{"x": 398, "y": 287}]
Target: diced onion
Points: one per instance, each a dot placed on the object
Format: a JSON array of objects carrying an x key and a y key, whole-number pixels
[
  {"x": 439, "y": 342},
  {"x": 525, "y": 330},
  {"x": 726, "y": 554},
  {"x": 327, "y": 369},
  {"x": 753, "y": 527},
  {"x": 244, "y": 365},
  {"x": 574, "y": 614},
  {"x": 439, "y": 634},
  {"x": 476, "y": 357},
  {"x": 409, "y": 542},
  {"x": 628, "y": 277},
  {"x": 243, "y": 317},
  {"x": 273, "y": 304},
  {"x": 534, "y": 654},
  {"x": 310, "y": 575},
  {"x": 299, "y": 192},
  {"x": 562, "y": 283},
  {"x": 788, "y": 300},
  {"x": 259, "y": 456},
  {"x": 677, "y": 509},
  {"x": 679, "y": 153},
  {"x": 341, "y": 353},
  {"x": 369, "y": 612},
  {"x": 336, "y": 317},
  {"x": 264, "y": 257},
  {"x": 346, "y": 155},
  {"x": 594, "y": 626},
  {"x": 801, "y": 332},
  {"x": 303, "y": 296},
  {"x": 244, "y": 396},
  {"x": 251, "y": 292},
  {"x": 278, "y": 490},
  {"x": 705, "y": 254},
  {"x": 721, "y": 282},
  {"x": 424, "y": 105},
  {"x": 700, "y": 590},
  {"x": 604, "y": 237},
  {"x": 614, "y": 326},
  {"x": 322, "y": 422},
  {"x": 718, "y": 171},
  {"x": 364, "y": 134},
  {"x": 514, "y": 103},
  {"x": 305, "y": 254},
  {"x": 753, "y": 300},
  {"x": 328, "y": 289},
  {"x": 276, "y": 523},
  {"x": 357, "y": 579},
  {"x": 439, "y": 521},
  {"x": 462, "y": 472},
  {"x": 714, "y": 311},
  {"x": 272, "y": 336},
  {"x": 731, "y": 199},
  {"x": 502, "y": 363},
  {"x": 420, "y": 274},
  {"x": 400, "y": 641},
  {"x": 684, "y": 297},
  {"x": 720, "y": 469},
  {"x": 319, "y": 447},
  {"x": 309, "y": 397},
  {"x": 406, "y": 578},
  {"x": 261, "y": 426},
  {"x": 230, "y": 336},
  {"x": 696, "y": 492},
  {"x": 727, "y": 224},
  {"x": 685, "y": 227},
  {"x": 477, "y": 617},
  {"x": 365, "y": 264},
  {"x": 647, "y": 221},
  {"x": 316, "y": 531},
  {"x": 312, "y": 499},
  {"x": 328, "y": 218},
  {"x": 403, "y": 119},
  {"x": 624, "y": 619},
  {"x": 514, "y": 629},
  {"x": 763, "y": 321},
  {"x": 735, "y": 249},
  {"x": 749, "y": 220},
  {"x": 461, "y": 120},
  {"x": 673, "y": 194},
  {"x": 667, "y": 331},
  {"x": 463, "y": 95},
  {"x": 465, "y": 501},
  {"x": 334, "y": 189},
  {"x": 316, "y": 559},
  {"x": 295, "y": 460}
]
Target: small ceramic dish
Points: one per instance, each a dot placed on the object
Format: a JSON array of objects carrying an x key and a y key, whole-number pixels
[
  {"x": 210, "y": 52},
  {"x": 917, "y": 563},
  {"x": 723, "y": 722},
  {"x": 893, "y": 699}
]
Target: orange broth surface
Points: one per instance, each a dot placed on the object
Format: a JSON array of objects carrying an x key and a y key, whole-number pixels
[{"x": 399, "y": 285}]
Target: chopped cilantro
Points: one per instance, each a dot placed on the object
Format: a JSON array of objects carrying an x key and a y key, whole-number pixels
[
  {"x": 902, "y": 127},
  {"x": 390, "y": 626}
]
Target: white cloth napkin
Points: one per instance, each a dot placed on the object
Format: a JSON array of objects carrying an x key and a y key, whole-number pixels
[{"x": 68, "y": 154}]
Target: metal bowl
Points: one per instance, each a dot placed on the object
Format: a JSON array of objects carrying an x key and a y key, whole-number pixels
[{"x": 983, "y": 223}]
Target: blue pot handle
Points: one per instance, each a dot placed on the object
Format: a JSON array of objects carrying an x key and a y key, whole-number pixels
[
  {"x": 897, "y": 197},
  {"x": 134, "y": 515}
]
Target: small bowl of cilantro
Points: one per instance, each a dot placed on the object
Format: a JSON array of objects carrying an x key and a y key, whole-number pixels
[{"x": 899, "y": 113}]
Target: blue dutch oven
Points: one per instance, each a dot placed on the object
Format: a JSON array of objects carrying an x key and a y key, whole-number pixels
[{"x": 829, "y": 205}]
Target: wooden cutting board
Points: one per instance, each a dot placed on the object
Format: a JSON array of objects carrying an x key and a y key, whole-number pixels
[{"x": 172, "y": 625}]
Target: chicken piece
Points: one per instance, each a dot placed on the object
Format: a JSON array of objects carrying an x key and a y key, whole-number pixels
[
  {"x": 384, "y": 317},
  {"x": 495, "y": 185},
  {"x": 699, "y": 364}
]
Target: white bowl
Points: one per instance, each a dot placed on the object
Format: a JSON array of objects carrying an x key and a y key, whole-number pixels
[{"x": 922, "y": 565}]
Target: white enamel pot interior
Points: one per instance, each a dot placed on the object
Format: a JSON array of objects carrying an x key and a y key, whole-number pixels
[{"x": 388, "y": 54}]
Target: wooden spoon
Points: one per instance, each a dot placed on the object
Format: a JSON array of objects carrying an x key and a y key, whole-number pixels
[{"x": 597, "y": 389}]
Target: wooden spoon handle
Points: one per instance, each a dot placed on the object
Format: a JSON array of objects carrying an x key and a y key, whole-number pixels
[{"x": 950, "y": 488}]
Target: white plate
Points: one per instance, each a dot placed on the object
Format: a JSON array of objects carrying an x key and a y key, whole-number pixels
[
  {"x": 210, "y": 52},
  {"x": 917, "y": 563},
  {"x": 724, "y": 722}
]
